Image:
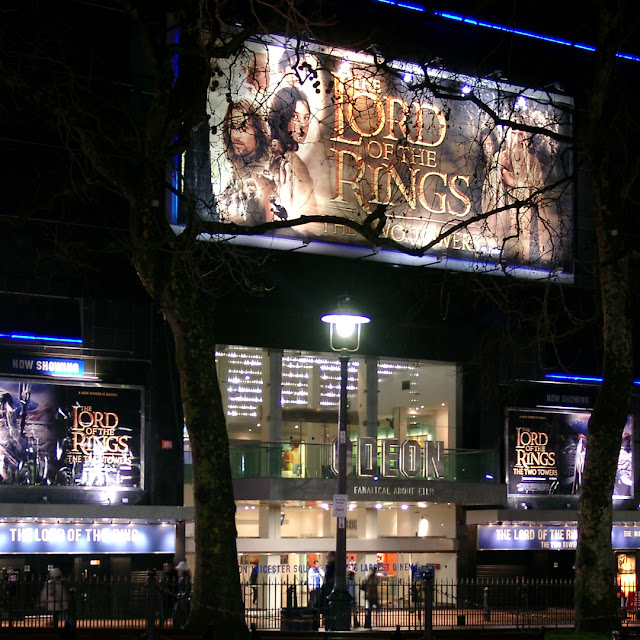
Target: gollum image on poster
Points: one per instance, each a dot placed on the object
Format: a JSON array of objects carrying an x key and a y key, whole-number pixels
[
  {"x": 547, "y": 451},
  {"x": 296, "y": 129},
  {"x": 69, "y": 435}
]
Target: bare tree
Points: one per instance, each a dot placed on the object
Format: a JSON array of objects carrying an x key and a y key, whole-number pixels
[{"x": 498, "y": 195}]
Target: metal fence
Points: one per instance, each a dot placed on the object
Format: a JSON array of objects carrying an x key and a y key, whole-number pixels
[
  {"x": 134, "y": 602},
  {"x": 143, "y": 600},
  {"x": 517, "y": 603}
]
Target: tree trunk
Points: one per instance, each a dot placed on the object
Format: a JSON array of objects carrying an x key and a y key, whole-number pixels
[
  {"x": 165, "y": 267},
  {"x": 595, "y": 566},
  {"x": 217, "y": 598}
]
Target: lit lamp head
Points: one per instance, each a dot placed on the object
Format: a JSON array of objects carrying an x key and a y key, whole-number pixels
[{"x": 345, "y": 323}]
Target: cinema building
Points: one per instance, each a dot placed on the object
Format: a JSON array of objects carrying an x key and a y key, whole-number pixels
[
  {"x": 78, "y": 453},
  {"x": 463, "y": 446},
  {"x": 466, "y": 450}
]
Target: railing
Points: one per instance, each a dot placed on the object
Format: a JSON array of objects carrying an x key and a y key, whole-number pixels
[
  {"x": 478, "y": 603},
  {"x": 134, "y": 602},
  {"x": 144, "y": 600},
  {"x": 311, "y": 460}
]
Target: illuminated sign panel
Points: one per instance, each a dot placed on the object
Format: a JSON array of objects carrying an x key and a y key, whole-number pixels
[
  {"x": 86, "y": 538},
  {"x": 547, "y": 452},
  {"x": 311, "y": 131},
  {"x": 47, "y": 366},
  {"x": 69, "y": 435},
  {"x": 553, "y": 537},
  {"x": 409, "y": 459}
]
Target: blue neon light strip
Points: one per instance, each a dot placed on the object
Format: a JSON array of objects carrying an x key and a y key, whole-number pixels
[
  {"x": 498, "y": 27},
  {"x": 403, "y": 5},
  {"x": 572, "y": 378},
  {"x": 175, "y": 179},
  {"x": 19, "y": 336}
]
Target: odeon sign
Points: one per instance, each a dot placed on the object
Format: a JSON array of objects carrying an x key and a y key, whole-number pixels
[{"x": 408, "y": 460}]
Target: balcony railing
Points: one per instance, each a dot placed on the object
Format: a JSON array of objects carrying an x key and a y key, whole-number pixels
[{"x": 311, "y": 460}]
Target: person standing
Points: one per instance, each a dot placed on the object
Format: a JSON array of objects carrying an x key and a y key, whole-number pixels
[
  {"x": 329, "y": 582},
  {"x": 330, "y": 572},
  {"x": 182, "y": 607},
  {"x": 351, "y": 589},
  {"x": 253, "y": 581},
  {"x": 170, "y": 589},
  {"x": 54, "y": 597},
  {"x": 315, "y": 582}
]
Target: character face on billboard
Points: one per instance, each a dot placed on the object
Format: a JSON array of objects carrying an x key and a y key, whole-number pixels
[
  {"x": 488, "y": 145},
  {"x": 289, "y": 117},
  {"x": 244, "y": 133},
  {"x": 258, "y": 71},
  {"x": 299, "y": 123}
]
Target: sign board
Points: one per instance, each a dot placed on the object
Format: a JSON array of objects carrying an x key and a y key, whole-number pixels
[
  {"x": 633, "y": 602},
  {"x": 340, "y": 505},
  {"x": 86, "y": 538},
  {"x": 547, "y": 449},
  {"x": 297, "y": 129},
  {"x": 69, "y": 435},
  {"x": 513, "y": 537},
  {"x": 58, "y": 367}
]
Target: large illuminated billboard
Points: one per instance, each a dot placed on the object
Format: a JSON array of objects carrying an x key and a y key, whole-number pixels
[
  {"x": 69, "y": 435},
  {"x": 547, "y": 451},
  {"x": 302, "y": 130}
]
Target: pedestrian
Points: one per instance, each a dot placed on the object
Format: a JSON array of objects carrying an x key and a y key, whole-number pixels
[
  {"x": 170, "y": 590},
  {"x": 253, "y": 581},
  {"x": 329, "y": 582},
  {"x": 54, "y": 597},
  {"x": 182, "y": 607},
  {"x": 370, "y": 588},
  {"x": 351, "y": 589},
  {"x": 315, "y": 582}
]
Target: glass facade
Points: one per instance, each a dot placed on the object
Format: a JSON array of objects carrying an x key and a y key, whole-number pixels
[
  {"x": 292, "y": 397},
  {"x": 281, "y": 409}
]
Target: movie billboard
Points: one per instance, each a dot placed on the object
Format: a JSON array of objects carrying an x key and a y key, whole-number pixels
[
  {"x": 295, "y": 130},
  {"x": 71, "y": 436},
  {"x": 547, "y": 450}
]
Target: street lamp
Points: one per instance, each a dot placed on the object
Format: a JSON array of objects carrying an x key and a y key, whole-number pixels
[{"x": 345, "y": 324}]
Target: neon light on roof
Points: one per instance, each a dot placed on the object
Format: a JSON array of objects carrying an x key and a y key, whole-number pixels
[
  {"x": 404, "y": 5},
  {"x": 21, "y": 336},
  {"x": 574, "y": 378},
  {"x": 499, "y": 27},
  {"x": 528, "y": 34}
]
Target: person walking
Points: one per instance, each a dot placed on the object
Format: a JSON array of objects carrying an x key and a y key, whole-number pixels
[{"x": 370, "y": 588}]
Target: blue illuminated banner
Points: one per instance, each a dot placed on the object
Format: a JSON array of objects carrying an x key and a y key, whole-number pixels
[
  {"x": 547, "y": 537},
  {"x": 46, "y": 366},
  {"x": 86, "y": 538}
]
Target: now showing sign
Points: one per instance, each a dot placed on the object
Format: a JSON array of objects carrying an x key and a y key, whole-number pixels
[{"x": 46, "y": 366}]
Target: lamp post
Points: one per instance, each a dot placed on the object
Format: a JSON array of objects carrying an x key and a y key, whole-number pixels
[{"x": 345, "y": 324}]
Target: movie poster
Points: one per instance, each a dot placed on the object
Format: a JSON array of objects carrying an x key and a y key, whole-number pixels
[
  {"x": 547, "y": 454},
  {"x": 295, "y": 130},
  {"x": 59, "y": 435}
]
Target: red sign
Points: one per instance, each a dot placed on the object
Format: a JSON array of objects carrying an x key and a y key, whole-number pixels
[
  {"x": 633, "y": 602},
  {"x": 166, "y": 444}
]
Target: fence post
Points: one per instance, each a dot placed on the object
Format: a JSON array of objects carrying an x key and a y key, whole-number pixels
[
  {"x": 428, "y": 606},
  {"x": 151, "y": 600},
  {"x": 485, "y": 604}
]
